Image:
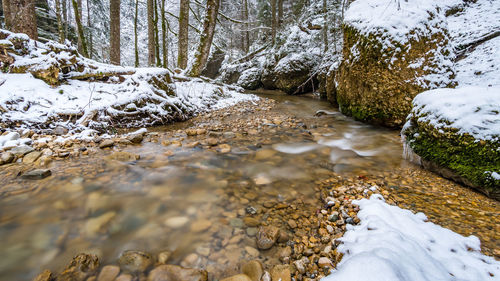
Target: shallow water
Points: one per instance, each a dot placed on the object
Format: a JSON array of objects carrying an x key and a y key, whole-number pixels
[{"x": 193, "y": 201}]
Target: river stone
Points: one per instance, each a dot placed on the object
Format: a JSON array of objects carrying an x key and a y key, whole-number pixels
[
  {"x": 108, "y": 273},
  {"x": 124, "y": 156},
  {"x": 21, "y": 150},
  {"x": 251, "y": 222},
  {"x": 266, "y": 276},
  {"x": 95, "y": 225},
  {"x": 252, "y": 231},
  {"x": 281, "y": 272},
  {"x": 31, "y": 157},
  {"x": 325, "y": 262},
  {"x": 81, "y": 267},
  {"x": 239, "y": 277},
  {"x": 59, "y": 131},
  {"x": 163, "y": 257},
  {"x": 46, "y": 275},
  {"x": 6, "y": 158},
  {"x": 266, "y": 237},
  {"x": 135, "y": 138},
  {"x": 37, "y": 174},
  {"x": 176, "y": 222},
  {"x": 107, "y": 143},
  {"x": 169, "y": 272},
  {"x": 253, "y": 269},
  {"x": 135, "y": 261},
  {"x": 124, "y": 277},
  {"x": 252, "y": 251},
  {"x": 200, "y": 225}
]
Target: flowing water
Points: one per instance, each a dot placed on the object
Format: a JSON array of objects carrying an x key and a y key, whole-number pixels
[{"x": 192, "y": 201}]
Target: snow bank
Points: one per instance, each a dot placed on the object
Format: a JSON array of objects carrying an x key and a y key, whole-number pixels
[
  {"x": 481, "y": 67},
  {"x": 395, "y": 244},
  {"x": 397, "y": 18},
  {"x": 32, "y": 102},
  {"x": 470, "y": 110}
]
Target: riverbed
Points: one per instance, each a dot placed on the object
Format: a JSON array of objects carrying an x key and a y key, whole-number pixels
[{"x": 190, "y": 188}]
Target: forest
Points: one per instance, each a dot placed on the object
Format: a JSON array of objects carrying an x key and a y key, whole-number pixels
[{"x": 249, "y": 140}]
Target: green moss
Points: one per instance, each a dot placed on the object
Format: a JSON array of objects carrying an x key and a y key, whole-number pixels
[{"x": 464, "y": 155}]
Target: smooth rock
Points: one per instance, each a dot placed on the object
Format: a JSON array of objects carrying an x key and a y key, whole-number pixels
[
  {"x": 6, "y": 158},
  {"x": 169, "y": 272},
  {"x": 200, "y": 225},
  {"x": 251, "y": 222},
  {"x": 124, "y": 277},
  {"x": 325, "y": 262},
  {"x": 252, "y": 251},
  {"x": 21, "y": 150},
  {"x": 95, "y": 225},
  {"x": 266, "y": 276},
  {"x": 266, "y": 237},
  {"x": 176, "y": 222},
  {"x": 224, "y": 148},
  {"x": 60, "y": 130},
  {"x": 31, "y": 157},
  {"x": 135, "y": 138},
  {"x": 252, "y": 231},
  {"x": 163, "y": 257},
  {"x": 123, "y": 156},
  {"x": 212, "y": 141},
  {"x": 37, "y": 174},
  {"x": 281, "y": 272},
  {"x": 108, "y": 273},
  {"x": 107, "y": 143},
  {"x": 135, "y": 261},
  {"x": 292, "y": 224},
  {"x": 253, "y": 269},
  {"x": 236, "y": 223},
  {"x": 265, "y": 154},
  {"x": 238, "y": 277}
]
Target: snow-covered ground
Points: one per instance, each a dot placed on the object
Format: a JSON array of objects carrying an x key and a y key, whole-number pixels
[{"x": 391, "y": 243}]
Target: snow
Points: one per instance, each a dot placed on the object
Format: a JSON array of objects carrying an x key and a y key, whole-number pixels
[
  {"x": 391, "y": 243},
  {"x": 12, "y": 139},
  {"x": 32, "y": 101},
  {"x": 481, "y": 66},
  {"x": 471, "y": 110}
]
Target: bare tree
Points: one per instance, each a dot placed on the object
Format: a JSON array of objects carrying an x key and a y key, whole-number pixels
[
  {"x": 114, "y": 16},
  {"x": 280, "y": 13},
  {"x": 164, "y": 34},
  {"x": 274, "y": 21},
  {"x": 136, "y": 40},
  {"x": 79, "y": 26},
  {"x": 182, "y": 56},
  {"x": 6, "y": 13},
  {"x": 151, "y": 34},
  {"x": 60, "y": 26},
  {"x": 23, "y": 17}
]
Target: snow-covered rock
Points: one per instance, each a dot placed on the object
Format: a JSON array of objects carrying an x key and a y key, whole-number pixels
[
  {"x": 456, "y": 132},
  {"x": 392, "y": 243},
  {"x": 392, "y": 51}
]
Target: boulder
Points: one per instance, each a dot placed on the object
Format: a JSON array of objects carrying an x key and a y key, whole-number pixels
[
  {"x": 135, "y": 261},
  {"x": 267, "y": 237},
  {"x": 253, "y": 269},
  {"x": 250, "y": 79},
  {"x": 384, "y": 68}
]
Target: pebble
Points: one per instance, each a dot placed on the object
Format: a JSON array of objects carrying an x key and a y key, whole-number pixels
[
  {"x": 200, "y": 225},
  {"x": 169, "y": 272},
  {"x": 7, "y": 157},
  {"x": 107, "y": 143},
  {"x": 163, "y": 257},
  {"x": 212, "y": 141},
  {"x": 37, "y": 174},
  {"x": 266, "y": 237},
  {"x": 176, "y": 222},
  {"x": 135, "y": 138},
  {"x": 135, "y": 261},
  {"x": 281, "y": 272},
  {"x": 108, "y": 273},
  {"x": 21, "y": 150},
  {"x": 253, "y": 269},
  {"x": 251, "y": 222},
  {"x": 239, "y": 277},
  {"x": 95, "y": 225},
  {"x": 325, "y": 262},
  {"x": 224, "y": 148},
  {"x": 236, "y": 223},
  {"x": 31, "y": 157},
  {"x": 252, "y": 251},
  {"x": 292, "y": 223}
]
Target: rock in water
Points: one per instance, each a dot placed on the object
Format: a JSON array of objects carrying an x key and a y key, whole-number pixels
[
  {"x": 108, "y": 273},
  {"x": 21, "y": 150},
  {"x": 174, "y": 272},
  {"x": 124, "y": 156},
  {"x": 46, "y": 275},
  {"x": 32, "y": 157},
  {"x": 281, "y": 272},
  {"x": 6, "y": 158},
  {"x": 239, "y": 277},
  {"x": 135, "y": 261},
  {"x": 106, "y": 143},
  {"x": 266, "y": 237},
  {"x": 37, "y": 174},
  {"x": 81, "y": 267},
  {"x": 253, "y": 269},
  {"x": 135, "y": 138}
]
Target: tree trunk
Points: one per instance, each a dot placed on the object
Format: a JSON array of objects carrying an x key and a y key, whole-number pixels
[
  {"x": 274, "y": 22},
  {"x": 182, "y": 56},
  {"x": 114, "y": 15},
  {"x": 151, "y": 34},
  {"x": 157, "y": 40},
  {"x": 80, "y": 39},
  {"x": 247, "y": 27},
  {"x": 23, "y": 17},
  {"x": 89, "y": 28},
  {"x": 65, "y": 17},
  {"x": 60, "y": 26},
  {"x": 206, "y": 38},
  {"x": 6, "y": 13},
  {"x": 280, "y": 13},
  {"x": 136, "y": 40},
  {"x": 81, "y": 35},
  {"x": 164, "y": 34},
  {"x": 325, "y": 25}
]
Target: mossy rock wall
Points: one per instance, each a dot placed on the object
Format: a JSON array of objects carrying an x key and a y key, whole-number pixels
[
  {"x": 459, "y": 157},
  {"x": 377, "y": 81}
]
